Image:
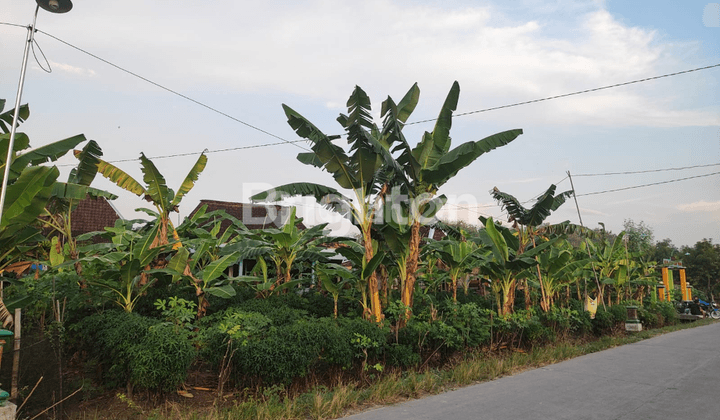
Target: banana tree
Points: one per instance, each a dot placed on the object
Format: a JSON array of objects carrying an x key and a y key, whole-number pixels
[
  {"x": 155, "y": 191},
  {"x": 210, "y": 279},
  {"x": 559, "y": 268},
  {"x": 361, "y": 169},
  {"x": 611, "y": 261},
  {"x": 505, "y": 262},
  {"x": 66, "y": 197},
  {"x": 421, "y": 170},
  {"x": 204, "y": 259},
  {"x": 333, "y": 278},
  {"x": 528, "y": 221},
  {"x": 30, "y": 186},
  {"x": 362, "y": 270},
  {"x": 460, "y": 256},
  {"x": 283, "y": 246},
  {"x": 126, "y": 258}
]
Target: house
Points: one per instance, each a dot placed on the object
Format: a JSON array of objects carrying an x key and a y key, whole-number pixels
[
  {"x": 93, "y": 214},
  {"x": 253, "y": 216},
  {"x": 90, "y": 215}
]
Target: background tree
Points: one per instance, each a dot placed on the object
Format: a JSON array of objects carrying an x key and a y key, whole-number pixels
[
  {"x": 703, "y": 266},
  {"x": 639, "y": 237},
  {"x": 663, "y": 249}
]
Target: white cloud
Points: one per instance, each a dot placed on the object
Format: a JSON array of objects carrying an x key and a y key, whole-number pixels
[
  {"x": 584, "y": 210},
  {"x": 320, "y": 51},
  {"x": 700, "y": 206},
  {"x": 72, "y": 69}
]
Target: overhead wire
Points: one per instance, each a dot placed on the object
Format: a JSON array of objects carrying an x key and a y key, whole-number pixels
[
  {"x": 579, "y": 92},
  {"x": 648, "y": 185},
  {"x": 285, "y": 141},
  {"x": 174, "y": 92},
  {"x": 649, "y": 170}
]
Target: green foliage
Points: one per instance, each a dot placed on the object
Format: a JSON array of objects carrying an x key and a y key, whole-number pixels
[
  {"x": 565, "y": 322},
  {"x": 609, "y": 319},
  {"x": 137, "y": 350},
  {"x": 177, "y": 310},
  {"x": 657, "y": 314},
  {"x": 241, "y": 326},
  {"x": 162, "y": 359},
  {"x": 401, "y": 355},
  {"x": 639, "y": 238},
  {"x": 280, "y": 354},
  {"x": 471, "y": 322}
]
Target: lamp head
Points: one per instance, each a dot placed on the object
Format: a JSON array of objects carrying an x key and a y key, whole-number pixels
[{"x": 55, "y": 6}]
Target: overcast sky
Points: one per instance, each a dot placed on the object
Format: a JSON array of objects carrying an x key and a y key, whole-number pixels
[{"x": 245, "y": 59}]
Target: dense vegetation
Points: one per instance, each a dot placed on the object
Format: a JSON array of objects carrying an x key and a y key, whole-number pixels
[{"x": 146, "y": 301}]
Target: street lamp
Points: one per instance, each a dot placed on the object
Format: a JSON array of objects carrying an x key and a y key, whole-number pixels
[{"x": 52, "y": 6}]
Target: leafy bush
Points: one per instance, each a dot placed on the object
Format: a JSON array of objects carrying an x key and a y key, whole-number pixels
[
  {"x": 278, "y": 354},
  {"x": 137, "y": 350},
  {"x": 401, "y": 355},
  {"x": 563, "y": 322},
  {"x": 471, "y": 322},
  {"x": 281, "y": 309},
  {"x": 609, "y": 319},
  {"x": 232, "y": 324},
  {"x": 162, "y": 359},
  {"x": 657, "y": 314},
  {"x": 518, "y": 329}
]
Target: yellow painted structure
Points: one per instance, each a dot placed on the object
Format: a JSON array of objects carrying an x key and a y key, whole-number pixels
[
  {"x": 683, "y": 285},
  {"x": 666, "y": 285}
]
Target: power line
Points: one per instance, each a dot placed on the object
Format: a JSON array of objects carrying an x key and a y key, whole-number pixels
[
  {"x": 171, "y": 90},
  {"x": 468, "y": 208},
  {"x": 229, "y": 149},
  {"x": 580, "y": 92},
  {"x": 648, "y": 185},
  {"x": 650, "y": 170},
  {"x": 284, "y": 141}
]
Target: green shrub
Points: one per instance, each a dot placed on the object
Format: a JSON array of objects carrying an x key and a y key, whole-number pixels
[
  {"x": 658, "y": 314},
  {"x": 521, "y": 328},
  {"x": 280, "y": 354},
  {"x": 137, "y": 350},
  {"x": 230, "y": 324},
  {"x": 564, "y": 322},
  {"x": 110, "y": 337},
  {"x": 282, "y": 309},
  {"x": 471, "y": 322},
  {"x": 609, "y": 319},
  {"x": 162, "y": 359},
  {"x": 401, "y": 355}
]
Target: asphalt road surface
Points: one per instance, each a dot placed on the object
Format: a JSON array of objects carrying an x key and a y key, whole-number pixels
[{"x": 673, "y": 376}]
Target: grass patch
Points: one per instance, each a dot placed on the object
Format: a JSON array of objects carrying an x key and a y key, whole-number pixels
[{"x": 396, "y": 386}]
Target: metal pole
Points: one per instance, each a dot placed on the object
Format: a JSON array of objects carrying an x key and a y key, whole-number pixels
[
  {"x": 16, "y": 355},
  {"x": 592, "y": 264},
  {"x": 18, "y": 98}
]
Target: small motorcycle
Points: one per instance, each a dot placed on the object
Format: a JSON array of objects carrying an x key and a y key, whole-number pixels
[{"x": 711, "y": 309}]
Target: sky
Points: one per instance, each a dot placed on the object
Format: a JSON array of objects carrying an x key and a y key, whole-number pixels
[{"x": 235, "y": 63}]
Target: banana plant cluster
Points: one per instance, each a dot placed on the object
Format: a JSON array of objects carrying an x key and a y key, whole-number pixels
[{"x": 379, "y": 162}]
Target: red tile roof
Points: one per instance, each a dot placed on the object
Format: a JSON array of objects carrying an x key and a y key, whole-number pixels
[
  {"x": 254, "y": 216},
  {"x": 93, "y": 214}
]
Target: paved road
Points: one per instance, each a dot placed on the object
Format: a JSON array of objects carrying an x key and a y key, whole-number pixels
[{"x": 673, "y": 376}]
